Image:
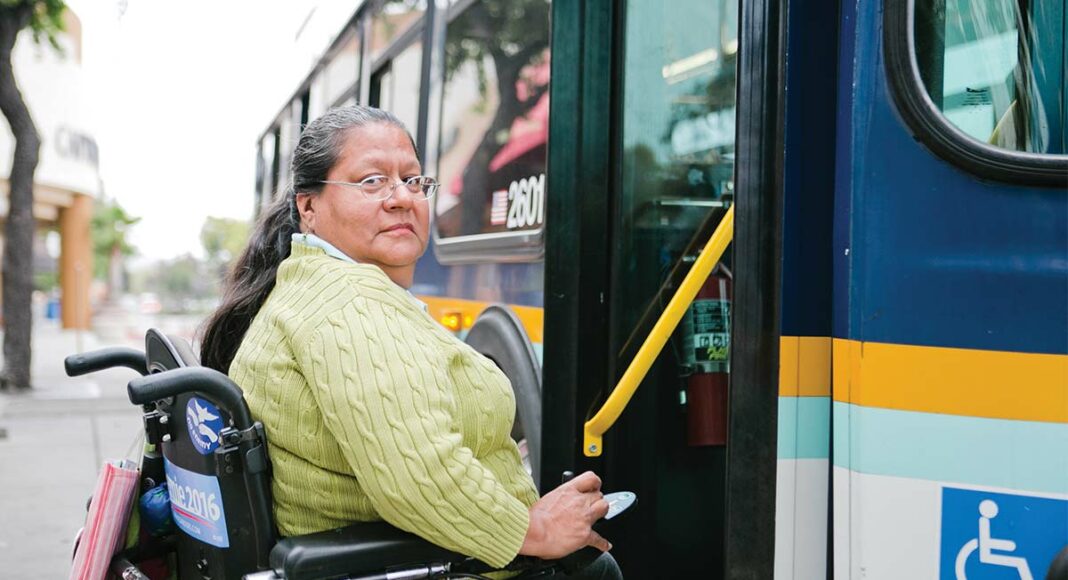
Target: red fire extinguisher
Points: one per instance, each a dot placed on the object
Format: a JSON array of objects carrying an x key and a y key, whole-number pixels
[{"x": 706, "y": 343}]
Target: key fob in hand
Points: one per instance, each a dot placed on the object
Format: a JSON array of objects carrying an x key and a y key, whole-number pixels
[{"x": 618, "y": 502}]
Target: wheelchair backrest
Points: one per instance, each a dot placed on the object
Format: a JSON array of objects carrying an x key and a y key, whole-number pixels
[
  {"x": 164, "y": 352},
  {"x": 216, "y": 473}
]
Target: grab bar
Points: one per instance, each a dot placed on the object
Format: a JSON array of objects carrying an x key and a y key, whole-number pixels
[{"x": 596, "y": 427}]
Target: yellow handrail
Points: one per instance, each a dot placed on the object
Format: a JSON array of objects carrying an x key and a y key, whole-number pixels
[{"x": 658, "y": 336}]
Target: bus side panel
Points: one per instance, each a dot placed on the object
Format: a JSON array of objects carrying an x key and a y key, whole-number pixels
[{"x": 949, "y": 357}]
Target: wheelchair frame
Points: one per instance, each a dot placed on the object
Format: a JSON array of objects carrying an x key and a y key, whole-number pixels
[{"x": 240, "y": 469}]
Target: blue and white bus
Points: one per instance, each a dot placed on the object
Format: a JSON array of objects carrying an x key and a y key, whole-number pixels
[{"x": 895, "y": 401}]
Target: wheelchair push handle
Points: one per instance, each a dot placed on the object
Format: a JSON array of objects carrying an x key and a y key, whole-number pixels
[
  {"x": 105, "y": 358},
  {"x": 166, "y": 384}
]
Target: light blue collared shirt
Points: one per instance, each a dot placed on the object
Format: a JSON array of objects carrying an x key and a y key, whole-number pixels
[{"x": 317, "y": 242}]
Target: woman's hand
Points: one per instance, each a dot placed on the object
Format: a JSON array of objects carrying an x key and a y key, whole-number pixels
[{"x": 560, "y": 522}]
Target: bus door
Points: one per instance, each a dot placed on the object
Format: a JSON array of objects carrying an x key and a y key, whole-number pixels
[{"x": 654, "y": 135}]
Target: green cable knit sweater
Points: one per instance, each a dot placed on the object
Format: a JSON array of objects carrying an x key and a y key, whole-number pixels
[{"x": 374, "y": 411}]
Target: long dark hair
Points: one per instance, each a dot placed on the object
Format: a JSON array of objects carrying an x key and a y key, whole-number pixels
[{"x": 252, "y": 277}]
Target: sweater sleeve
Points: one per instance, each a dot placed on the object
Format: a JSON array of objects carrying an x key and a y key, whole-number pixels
[{"x": 392, "y": 414}]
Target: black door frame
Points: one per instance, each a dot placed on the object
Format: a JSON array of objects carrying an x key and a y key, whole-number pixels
[
  {"x": 752, "y": 454},
  {"x": 584, "y": 95}
]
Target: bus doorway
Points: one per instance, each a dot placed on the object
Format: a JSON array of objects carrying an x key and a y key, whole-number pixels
[{"x": 653, "y": 136}]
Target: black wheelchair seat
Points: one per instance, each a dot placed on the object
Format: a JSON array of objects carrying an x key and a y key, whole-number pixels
[{"x": 363, "y": 548}]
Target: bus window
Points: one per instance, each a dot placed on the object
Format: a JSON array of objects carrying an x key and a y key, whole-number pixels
[
  {"x": 994, "y": 68},
  {"x": 494, "y": 119},
  {"x": 678, "y": 131},
  {"x": 337, "y": 79},
  {"x": 266, "y": 170},
  {"x": 391, "y": 21},
  {"x": 288, "y": 133},
  {"x": 395, "y": 86}
]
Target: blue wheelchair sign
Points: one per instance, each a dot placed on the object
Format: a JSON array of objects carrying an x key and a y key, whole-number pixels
[{"x": 999, "y": 536}]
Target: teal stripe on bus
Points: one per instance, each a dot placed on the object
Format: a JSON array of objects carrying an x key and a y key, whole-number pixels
[
  {"x": 1022, "y": 455},
  {"x": 804, "y": 427}
]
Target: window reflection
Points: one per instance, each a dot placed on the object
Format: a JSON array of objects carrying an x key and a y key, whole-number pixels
[
  {"x": 339, "y": 75},
  {"x": 395, "y": 87},
  {"x": 679, "y": 108},
  {"x": 288, "y": 134},
  {"x": 995, "y": 69},
  {"x": 495, "y": 119},
  {"x": 391, "y": 21},
  {"x": 266, "y": 170},
  {"x": 678, "y": 132}
]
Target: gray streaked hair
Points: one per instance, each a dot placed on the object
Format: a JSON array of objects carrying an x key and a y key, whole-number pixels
[{"x": 252, "y": 277}]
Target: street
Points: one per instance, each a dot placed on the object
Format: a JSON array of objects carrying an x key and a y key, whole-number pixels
[{"x": 53, "y": 440}]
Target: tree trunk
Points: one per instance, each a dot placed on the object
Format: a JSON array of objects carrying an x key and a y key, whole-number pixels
[{"x": 19, "y": 229}]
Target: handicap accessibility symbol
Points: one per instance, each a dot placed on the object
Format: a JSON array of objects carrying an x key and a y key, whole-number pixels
[
  {"x": 988, "y": 510},
  {"x": 998, "y": 536}
]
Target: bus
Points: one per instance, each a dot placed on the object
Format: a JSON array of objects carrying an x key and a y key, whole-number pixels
[{"x": 872, "y": 382}]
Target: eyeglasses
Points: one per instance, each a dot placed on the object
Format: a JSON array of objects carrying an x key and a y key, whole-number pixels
[{"x": 379, "y": 188}]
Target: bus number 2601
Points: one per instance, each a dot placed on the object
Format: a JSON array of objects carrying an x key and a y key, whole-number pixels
[{"x": 526, "y": 202}]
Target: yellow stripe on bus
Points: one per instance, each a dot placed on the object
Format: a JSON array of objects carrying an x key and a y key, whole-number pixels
[
  {"x": 954, "y": 381},
  {"x": 805, "y": 366},
  {"x": 532, "y": 318}
]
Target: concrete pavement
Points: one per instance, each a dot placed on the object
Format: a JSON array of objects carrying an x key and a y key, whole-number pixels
[{"x": 57, "y": 436}]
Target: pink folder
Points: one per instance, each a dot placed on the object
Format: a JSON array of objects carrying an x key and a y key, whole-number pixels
[{"x": 105, "y": 526}]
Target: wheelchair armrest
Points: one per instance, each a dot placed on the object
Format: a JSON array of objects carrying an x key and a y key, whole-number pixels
[{"x": 362, "y": 548}]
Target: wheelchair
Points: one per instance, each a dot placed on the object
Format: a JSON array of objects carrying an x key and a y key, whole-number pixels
[{"x": 213, "y": 457}]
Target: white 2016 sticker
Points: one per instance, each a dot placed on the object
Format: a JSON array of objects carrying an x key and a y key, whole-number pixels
[{"x": 196, "y": 504}]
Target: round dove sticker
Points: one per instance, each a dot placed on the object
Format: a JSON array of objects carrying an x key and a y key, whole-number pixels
[{"x": 204, "y": 422}]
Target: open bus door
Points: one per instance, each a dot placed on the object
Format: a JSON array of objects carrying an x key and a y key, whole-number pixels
[{"x": 653, "y": 134}]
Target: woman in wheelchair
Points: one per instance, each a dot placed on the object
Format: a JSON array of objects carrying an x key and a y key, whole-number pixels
[{"x": 373, "y": 411}]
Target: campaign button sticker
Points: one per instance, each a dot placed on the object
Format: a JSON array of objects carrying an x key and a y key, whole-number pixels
[
  {"x": 204, "y": 422},
  {"x": 196, "y": 504},
  {"x": 1000, "y": 536}
]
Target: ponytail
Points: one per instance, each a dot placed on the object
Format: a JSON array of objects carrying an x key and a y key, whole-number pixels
[{"x": 250, "y": 281}]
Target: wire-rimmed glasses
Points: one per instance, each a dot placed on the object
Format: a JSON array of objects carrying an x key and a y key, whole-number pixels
[{"x": 379, "y": 188}]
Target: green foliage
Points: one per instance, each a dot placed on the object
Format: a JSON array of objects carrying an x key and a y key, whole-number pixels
[
  {"x": 183, "y": 284},
  {"x": 45, "y": 281},
  {"x": 108, "y": 229},
  {"x": 223, "y": 239},
  {"x": 497, "y": 28},
  {"x": 178, "y": 278},
  {"x": 46, "y": 17}
]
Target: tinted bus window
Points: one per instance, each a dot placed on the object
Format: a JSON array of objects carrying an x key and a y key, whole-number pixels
[
  {"x": 393, "y": 20},
  {"x": 265, "y": 171},
  {"x": 995, "y": 68},
  {"x": 395, "y": 86},
  {"x": 338, "y": 77},
  {"x": 495, "y": 119},
  {"x": 678, "y": 137},
  {"x": 288, "y": 134}
]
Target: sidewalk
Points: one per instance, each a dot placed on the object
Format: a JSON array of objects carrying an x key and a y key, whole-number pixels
[{"x": 58, "y": 435}]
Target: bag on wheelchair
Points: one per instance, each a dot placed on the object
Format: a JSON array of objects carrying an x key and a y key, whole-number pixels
[{"x": 105, "y": 526}]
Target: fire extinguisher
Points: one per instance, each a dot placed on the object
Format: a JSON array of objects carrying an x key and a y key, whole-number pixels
[{"x": 706, "y": 350}]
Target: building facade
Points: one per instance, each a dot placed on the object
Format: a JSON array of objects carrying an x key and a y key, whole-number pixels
[{"x": 68, "y": 178}]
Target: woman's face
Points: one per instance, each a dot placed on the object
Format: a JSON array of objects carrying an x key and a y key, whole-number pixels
[{"x": 390, "y": 233}]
